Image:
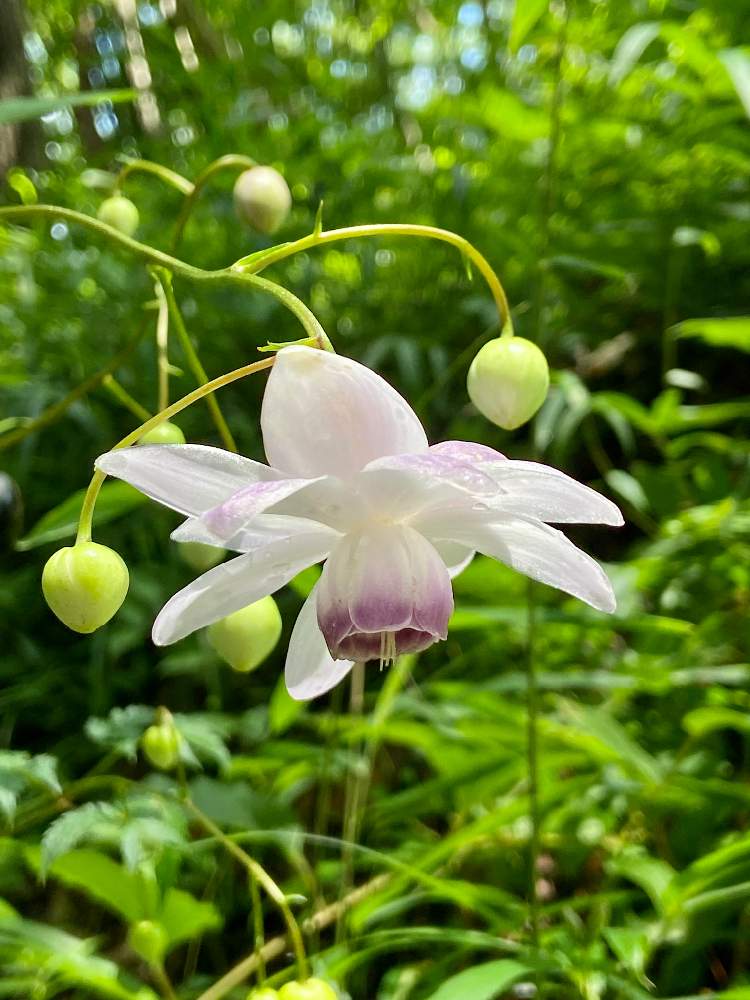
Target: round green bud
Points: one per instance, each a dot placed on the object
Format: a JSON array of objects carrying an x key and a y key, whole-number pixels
[
  {"x": 161, "y": 744},
  {"x": 120, "y": 213},
  {"x": 199, "y": 556},
  {"x": 85, "y": 584},
  {"x": 164, "y": 433},
  {"x": 149, "y": 940},
  {"x": 311, "y": 989},
  {"x": 262, "y": 198},
  {"x": 11, "y": 512},
  {"x": 244, "y": 639},
  {"x": 508, "y": 381},
  {"x": 262, "y": 993}
]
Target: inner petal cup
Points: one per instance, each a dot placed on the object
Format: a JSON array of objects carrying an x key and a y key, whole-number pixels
[{"x": 384, "y": 591}]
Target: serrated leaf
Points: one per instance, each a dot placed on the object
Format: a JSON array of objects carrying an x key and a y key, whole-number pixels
[
  {"x": 482, "y": 982},
  {"x": 205, "y": 736},
  {"x": 121, "y": 730},
  {"x": 92, "y": 821},
  {"x": 115, "y": 500}
]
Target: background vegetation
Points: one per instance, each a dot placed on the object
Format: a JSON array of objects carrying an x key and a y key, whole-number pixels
[{"x": 598, "y": 153}]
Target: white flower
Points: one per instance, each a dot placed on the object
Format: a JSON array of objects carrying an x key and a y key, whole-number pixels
[{"x": 353, "y": 481}]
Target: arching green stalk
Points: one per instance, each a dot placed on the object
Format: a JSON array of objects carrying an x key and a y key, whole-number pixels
[
  {"x": 233, "y": 161},
  {"x": 249, "y": 265}
]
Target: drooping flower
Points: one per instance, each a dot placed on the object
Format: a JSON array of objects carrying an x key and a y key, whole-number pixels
[{"x": 352, "y": 481}]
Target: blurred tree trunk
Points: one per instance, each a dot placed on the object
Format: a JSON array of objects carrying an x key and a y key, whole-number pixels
[{"x": 19, "y": 143}]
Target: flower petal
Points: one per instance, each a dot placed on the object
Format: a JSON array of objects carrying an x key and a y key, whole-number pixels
[
  {"x": 387, "y": 579},
  {"x": 540, "y": 491},
  {"x": 189, "y": 478},
  {"x": 446, "y": 468},
  {"x": 455, "y": 556},
  {"x": 263, "y": 529},
  {"x": 236, "y": 512},
  {"x": 532, "y": 548},
  {"x": 326, "y": 414},
  {"x": 467, "y": 451},
  {"x": 239, "y": 582},
  {"x": 310, "y": 669}
]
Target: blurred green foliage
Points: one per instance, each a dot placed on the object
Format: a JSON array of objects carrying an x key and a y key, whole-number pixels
[{"x": 599, "y": 155}]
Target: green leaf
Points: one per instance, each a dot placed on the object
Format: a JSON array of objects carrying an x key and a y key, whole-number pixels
[
  {"x": 184, "y": 917},
  {"x": 104, "y": 880},
  {"x": 734, "y": 331},
  {"x": 526, "y": 13},
  {"x": 631, "y": 946},
  {"x": 115, "y": 500},
  {"x": 737, "y": 64},
  {"x": 121, "y": 730},
  {"x": 482, "y": 982},
  {"x": 653, "y": 875},
  {"x": 19, "y": 109},
  {"x": 628, "y": 488},
  {"x": 630, "y": 48},
  {"x": 283, "y": 710},
  {"x": 709, "y": 718}
]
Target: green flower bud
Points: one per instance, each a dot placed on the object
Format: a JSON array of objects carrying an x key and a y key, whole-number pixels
[
  {"x": 311, "y": 989},
  {"x": 508, "y": 381},
  {"x": 161, "y": 743},
  {"x": 85, "y": 585},
  {"x": 149, "y": 940},
  {"x": 262, "y": 993},
  {"x": 11, "y": 512},
  {"x": 244, "y": 639},
  {"x": 262, "y": 198},
  {"x": 120, "y": 213},
  {"x": 199, "y": 556},
  {"x": 164, "y": 433}
]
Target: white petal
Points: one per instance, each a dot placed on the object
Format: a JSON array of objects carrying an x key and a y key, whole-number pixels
[
  {"x": 263, "y": 529},
  {"x": 189, "y": 478},
  {"x": 467, "y": 451},
  {"x": 239, "y": 510},
  {"x": 239, "y": 582},
  {"x": 541, "y": 491},
  {"x": 404, "y": 494},
  {"x": 326, "y": 414},
  {"x": 443, "y": 467},
  {"x": 310, "y": 669},
  {"x": 532, "y": 548},
  {"x": 455, "y": 556}
]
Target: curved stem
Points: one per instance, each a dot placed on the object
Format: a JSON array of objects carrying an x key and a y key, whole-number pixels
[
  {"x": 264, "y": 879},
  {"x": 164, "y": 279},
  {"x": 175, "y": 180},
  {"x": 151, "y": 255},
  {"x": 122, "y": 396},
  {"x": 89, "y": 501},
  {"x": 232, "y": 161},
  {"x": 532, "y": 753},
  {"x": 392, "y": 229}
]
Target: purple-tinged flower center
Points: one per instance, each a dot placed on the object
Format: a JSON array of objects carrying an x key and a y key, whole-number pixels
[{"x": 384, "y": 591}]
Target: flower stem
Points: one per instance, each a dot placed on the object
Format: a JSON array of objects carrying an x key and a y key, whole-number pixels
[
  {"x": 162, "y": 348},
  {"x": 121, "y": 394},
  {"x": 164, "y": 278},
  {"x": 264, "y": 879},
  {"x": 225, "y": 276},
  {"x": 259, "y": 936},
  {"x": 89, "y": 501},
  {"x": 532, "y": 757},
  {"x": 355, "y": 789},
  {"x": 392, "y": 229},
  {"x": 170, "y": 177},
  {"x": 233, "y": 161}
]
